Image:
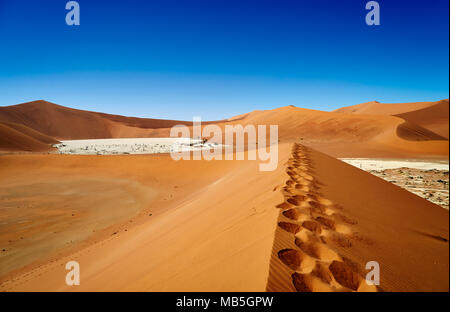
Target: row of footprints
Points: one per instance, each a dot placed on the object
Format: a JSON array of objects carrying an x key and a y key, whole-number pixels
[{"x": 313, "y": 222}]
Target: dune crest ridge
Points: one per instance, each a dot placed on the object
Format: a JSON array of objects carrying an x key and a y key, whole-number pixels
[{"x": 333, "y": 221}]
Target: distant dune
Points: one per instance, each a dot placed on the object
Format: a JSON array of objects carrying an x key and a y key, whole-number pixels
[
  {"x": 433, "y": 116},
  {"x": 65, "y": 123},
  {"x": 377, "y": 108},
  {"x": 348, "y": 135},
  {"x": 17, "y": 137},
  {"x": 364, "y": 130}
]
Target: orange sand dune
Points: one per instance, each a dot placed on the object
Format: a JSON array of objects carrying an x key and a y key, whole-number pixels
[
  {"x": 17, "y": 137},
  {"x": 56, "y": 121},
  {"x": 338, "y": 134},
  {"x": 65, "y": 123},
  {"x": 377, "y": 108},
  {"x": 193, "y": 239},
  {"x": 346, "y": 135},
  {"x": 433, "y": 116},
  {"x": 312, "y": 224}
]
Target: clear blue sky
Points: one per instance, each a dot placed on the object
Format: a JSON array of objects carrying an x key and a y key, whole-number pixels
[{"x": 178, "y": 59}]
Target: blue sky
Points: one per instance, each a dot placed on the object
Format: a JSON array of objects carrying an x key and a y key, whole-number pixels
[{"x": 215, "y": 59}]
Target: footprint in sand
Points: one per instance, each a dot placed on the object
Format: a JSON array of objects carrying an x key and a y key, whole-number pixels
[
  {"x": 296, "y": 260},
  {"x": 289, "y": 227},
  {"x": 317, "y": 224}
]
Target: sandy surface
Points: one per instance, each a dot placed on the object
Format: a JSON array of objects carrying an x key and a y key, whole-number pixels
[
  {"x": 429, "y": 115},
  {"x": 234, "y": 228},
  {"x": 53, "y": 212},
  {"x": 348, "y": 218},
  {"x": 149, "y": 223},
  {"x": 198, "y": 221}
]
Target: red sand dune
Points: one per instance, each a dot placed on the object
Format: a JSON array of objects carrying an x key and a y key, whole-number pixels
[
  {"x": 377, "y": 108},
  {"x": 17, "y": 137},
  {"x": 433, "y": 116},
  {"x": 338, "y": 134},
  {"x": 149, "y": 223},
  {"x": 64, "y": 123},
  {"x": 70, "y": 124},
  {"x": 234, "y": 228},
  {"x": 346, "y": 135}
]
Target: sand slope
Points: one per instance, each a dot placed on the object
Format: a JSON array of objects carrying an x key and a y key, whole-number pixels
[
  {"x": 65, "y": 123},
  {"x": 433, "y": 116},
  {"x": 347, "y": 135},
  {"x": 17, "y": 137},
  {"x": 377, "y": 108},
  {"x": 296, "y": 228},
  {"x": 331, "y": 225},
  {"x": 222, "y": 224}
]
